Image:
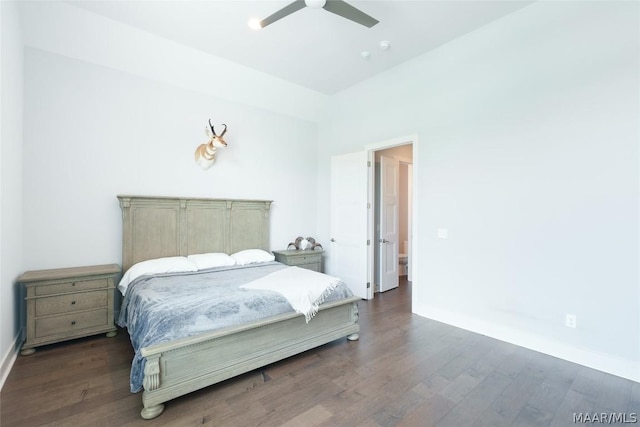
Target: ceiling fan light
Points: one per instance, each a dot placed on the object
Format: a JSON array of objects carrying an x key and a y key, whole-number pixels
[
  {"x": 315, "y": 4},
  {"x": 255, "y": 24}
]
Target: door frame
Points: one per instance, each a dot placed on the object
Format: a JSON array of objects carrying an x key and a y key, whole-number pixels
[{"x": 371, "y": 149}]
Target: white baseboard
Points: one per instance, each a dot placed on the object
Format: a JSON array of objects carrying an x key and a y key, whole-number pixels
[
  {"x": 9, "y": 358},
  {"x": 624, "y": 368}
]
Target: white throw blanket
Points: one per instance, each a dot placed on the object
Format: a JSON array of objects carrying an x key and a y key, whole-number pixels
[{"x": 304, "y": 289}]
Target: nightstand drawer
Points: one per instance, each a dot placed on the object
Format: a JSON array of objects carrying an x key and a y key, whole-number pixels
[
  {"x": 70, "y": 322},
  {"x": 311, "y": 260},
  {"x": 303, "y": 259},
  {"x": 72, "y": 302},
  {"x": 74, "y": 286}
]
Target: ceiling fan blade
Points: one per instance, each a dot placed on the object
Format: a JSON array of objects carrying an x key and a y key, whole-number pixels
[
  {"x": 345, "y": 10},
  {"x": 287, "y": 10}
]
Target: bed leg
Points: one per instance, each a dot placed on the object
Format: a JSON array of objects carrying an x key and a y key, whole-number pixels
[
  {"x": 27, "y": 351},
  {"x": 151, "y": 412},
  {"x": 353, "y": 337}
]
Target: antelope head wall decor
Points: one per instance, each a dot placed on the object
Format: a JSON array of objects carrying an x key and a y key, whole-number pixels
[{"x": 206, "y": 153}]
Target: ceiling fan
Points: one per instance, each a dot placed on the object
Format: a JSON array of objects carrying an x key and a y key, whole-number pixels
[{"x": 339, "y": 7}]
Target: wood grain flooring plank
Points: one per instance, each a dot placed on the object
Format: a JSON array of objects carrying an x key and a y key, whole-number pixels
[
  {"x": 614, "y": 396},
  {"x": 634, "y": 401},
  {"x": 311, "y": 418},
  {"x": 397, "y": 408},
  {"x": 428, "y": 414},
  {"x": 573, "y": 403},
  {"x": 504, "y": 410},
  {"x": 531, "y": 416},
  {"x": 490, "y": 361},
  {"x": 476, "y": 402},
  {"x": 516, "y": 362},
  {"x": 431, "y": 385},
  {"x": 588, "y": 381},
  {"x": 459, "y": 387}
]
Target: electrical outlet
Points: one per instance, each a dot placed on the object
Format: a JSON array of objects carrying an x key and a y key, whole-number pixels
[
  {"x": 443, "y": 233},
  {"x": 570, "y": 321}
]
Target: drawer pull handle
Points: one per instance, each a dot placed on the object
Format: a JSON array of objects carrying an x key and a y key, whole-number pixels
[
  {"x": 73, "y": 322},
  {"x": 73, "y": 283},
  {"x": 73, "y": 302}
]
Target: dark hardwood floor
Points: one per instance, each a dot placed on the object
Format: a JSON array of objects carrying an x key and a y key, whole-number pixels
[{"x": 404, "y": 371}]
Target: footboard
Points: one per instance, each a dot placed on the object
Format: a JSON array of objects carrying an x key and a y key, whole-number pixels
[{"x": 180, "y": 367}]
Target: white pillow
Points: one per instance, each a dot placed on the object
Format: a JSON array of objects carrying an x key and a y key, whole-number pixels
[
  {"x": 252, "y": 256},
  {"x": 211, "y": 260},
  {"x": 174, "y": 264}
]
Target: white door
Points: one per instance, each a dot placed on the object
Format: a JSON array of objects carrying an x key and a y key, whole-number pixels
[
  {"x": 389, "y": 224},
  {"x": 348, "y": 256},
  {"x": 410, "y": 222}
]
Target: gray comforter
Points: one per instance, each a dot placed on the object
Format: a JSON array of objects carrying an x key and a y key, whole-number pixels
[{"x": 166, "y": 307}]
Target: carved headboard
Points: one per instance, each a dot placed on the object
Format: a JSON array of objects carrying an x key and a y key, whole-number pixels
[{"x": 154, "y": 227}]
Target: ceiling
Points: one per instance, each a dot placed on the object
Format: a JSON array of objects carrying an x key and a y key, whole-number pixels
[{"x": 311, "y": 47}]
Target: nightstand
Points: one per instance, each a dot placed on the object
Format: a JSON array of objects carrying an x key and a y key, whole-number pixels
[
  {"x": 67, "y": 303},
  {"x": 311, "y": 260}
]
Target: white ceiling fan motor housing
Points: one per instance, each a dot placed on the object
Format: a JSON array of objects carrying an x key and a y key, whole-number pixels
[{"x": 315, "y": 4}]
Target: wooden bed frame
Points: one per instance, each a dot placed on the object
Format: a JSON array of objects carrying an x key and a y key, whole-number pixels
[{"x": 156, "y": 227}]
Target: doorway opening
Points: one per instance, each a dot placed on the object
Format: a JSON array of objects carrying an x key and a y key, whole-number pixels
[
  {"x": 392, "y": 217},
  {"x": 352, "y": 222}
]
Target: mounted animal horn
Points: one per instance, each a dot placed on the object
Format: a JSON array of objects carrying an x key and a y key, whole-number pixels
[
  {"x": 206, "y": 153},
  {"x": 223, "y": 132}
]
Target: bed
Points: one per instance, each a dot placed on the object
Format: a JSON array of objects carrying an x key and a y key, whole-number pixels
[{"x": 157, "y": 227}]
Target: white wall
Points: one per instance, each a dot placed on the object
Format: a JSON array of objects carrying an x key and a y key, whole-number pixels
[
  {"x": 59, "y": 27},
  {"x": 528, "y": 154},
  {"x": 11, "y": 64},
  {"x": 93, "y": 132}
]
